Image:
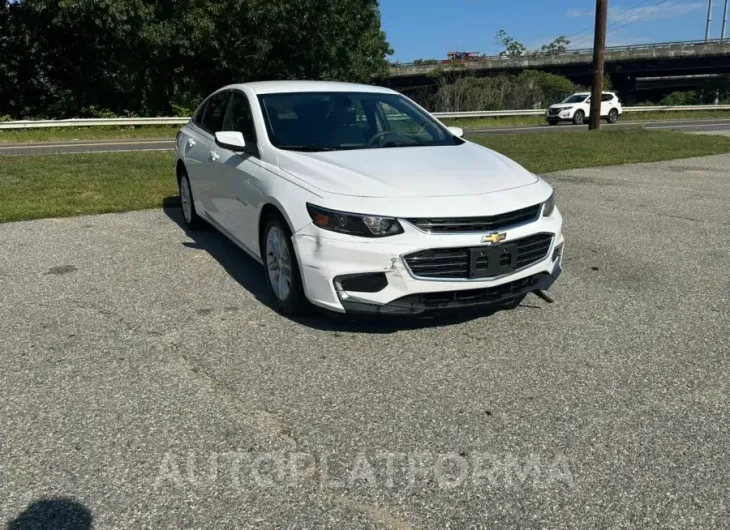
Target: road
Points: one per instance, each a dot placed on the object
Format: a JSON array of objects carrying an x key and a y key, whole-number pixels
[
  {"x": 102, "y": 146},
  {"x": 148, "y": 384}
]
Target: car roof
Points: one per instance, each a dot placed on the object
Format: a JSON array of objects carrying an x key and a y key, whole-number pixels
[
  {"x": 588, "y": 93},
  {"x": 278, "y": 87}
]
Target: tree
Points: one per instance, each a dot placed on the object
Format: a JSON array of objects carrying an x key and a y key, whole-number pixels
[
  {"x": 92, "y": 57},
  {"x": 559, "y": 45},
  {"x": 512, "y": 48}
]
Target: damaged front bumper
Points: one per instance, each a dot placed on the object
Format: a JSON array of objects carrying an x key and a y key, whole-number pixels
[{"x": 361, "y": 275}]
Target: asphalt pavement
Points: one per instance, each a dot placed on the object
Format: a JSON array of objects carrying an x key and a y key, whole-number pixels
[
  {"x": 161, "y": 144},
  {"x": 146, "y": 383}
]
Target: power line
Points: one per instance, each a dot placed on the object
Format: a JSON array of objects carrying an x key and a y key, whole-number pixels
[
  {"x": 630, "y": 18},
  {"x": 588, "y": 30}
]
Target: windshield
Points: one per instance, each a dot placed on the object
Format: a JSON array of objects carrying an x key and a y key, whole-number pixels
[
  {"x": 334, "y": 121},
  {"x": 575, "y": 98}
]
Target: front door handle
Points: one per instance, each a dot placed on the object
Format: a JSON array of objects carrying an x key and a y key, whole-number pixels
[{"x": 214, "y": 156}]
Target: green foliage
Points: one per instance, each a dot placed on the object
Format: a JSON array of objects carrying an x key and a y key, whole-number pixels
[
  {"x": 512, "y": 48},
  {"x": 64, "y": 58},
  {"x": 423, "y": 62},
  {"x": 531, "y": 89},
  {"x": 559, "y": 45},
  {"x": 680, "y": 98},
  {"x": 715, "y": 89}
]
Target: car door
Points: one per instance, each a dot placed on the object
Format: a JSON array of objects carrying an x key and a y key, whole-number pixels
[
  {"x": 194, "y": 152},
  {"x": 210, "y": 185},
  {"x": 239, "y": 175},
  {"x": 586, "y": 105},
  {"x": 606, "y": 100}
]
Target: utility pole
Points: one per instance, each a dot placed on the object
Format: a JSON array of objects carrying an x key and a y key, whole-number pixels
[
  {"x": 724, "y": 20},
  {"x": 599, "y": 54},
  {"x": 709, "y": 21}
]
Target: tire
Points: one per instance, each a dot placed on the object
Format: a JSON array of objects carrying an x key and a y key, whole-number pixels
[
  {"x": 193, "y": 221},
  {"x": 277, "y": 253},
  {"x": 579, "y": 117},
  {"x": 553, "y": 122},
  {"x": 612, "y": 116}
]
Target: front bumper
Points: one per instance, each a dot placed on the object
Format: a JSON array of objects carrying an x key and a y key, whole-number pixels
[{"x": 326, "y": 256}]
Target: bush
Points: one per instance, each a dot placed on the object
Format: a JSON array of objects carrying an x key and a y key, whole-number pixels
[
  {"x": 680, "y": 98},
  {"x": 531, "y": 89}
]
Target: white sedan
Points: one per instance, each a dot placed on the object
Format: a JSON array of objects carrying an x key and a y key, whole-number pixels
[{"x": 357, "y": 200}]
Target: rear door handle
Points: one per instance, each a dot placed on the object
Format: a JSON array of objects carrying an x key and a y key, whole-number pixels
[
  {"x": 214, "y": 156},
  {"x": 191, "y": 142}
]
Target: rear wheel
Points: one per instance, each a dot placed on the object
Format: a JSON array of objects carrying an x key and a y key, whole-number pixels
[
  {"x": 612, "y": 116},
  {"x": 282, "y": 270},
  {"x": 579, "y": 117},
  {"x": 192, "y": 219}
]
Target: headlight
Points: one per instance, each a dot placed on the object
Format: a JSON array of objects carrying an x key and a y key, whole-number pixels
[
  {"x": 354, "y": 223},
  {"x": 549, "y": 205}
]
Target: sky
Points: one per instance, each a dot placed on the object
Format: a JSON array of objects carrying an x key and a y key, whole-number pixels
[{"x": 425, "y": 29}]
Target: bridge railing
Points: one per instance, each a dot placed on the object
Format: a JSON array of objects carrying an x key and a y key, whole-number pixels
[
  {"x": 569, "y": 52},
  {"x": 129, "y": 122}
]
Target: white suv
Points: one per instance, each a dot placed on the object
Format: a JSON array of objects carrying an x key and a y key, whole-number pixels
[{"x": 577, "y": 108}]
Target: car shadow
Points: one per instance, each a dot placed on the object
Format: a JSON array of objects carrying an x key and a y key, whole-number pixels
[
  {"x": 53, "y": 514},
  {"x": 250, "y": 275}
]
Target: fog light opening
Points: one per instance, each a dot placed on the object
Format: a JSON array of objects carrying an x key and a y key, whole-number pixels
[
  {"x": 556, "y": 253},
  {"x": 362, "y": 283}
]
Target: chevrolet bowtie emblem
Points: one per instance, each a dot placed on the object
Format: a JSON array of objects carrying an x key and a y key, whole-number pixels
[{"x": 494, "y": 238}]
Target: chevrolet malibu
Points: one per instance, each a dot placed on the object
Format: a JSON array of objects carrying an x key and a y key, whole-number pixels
[{"x": 357, "y": 200}]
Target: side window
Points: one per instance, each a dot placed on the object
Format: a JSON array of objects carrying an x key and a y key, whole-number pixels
[
  {"x": 402, "y": 123},
  {"x": 198, "y": 116},
  {"x": 215, "y": 110},
  {"x": 239, "y": 118},
  {"x": 607, "y": 97}
]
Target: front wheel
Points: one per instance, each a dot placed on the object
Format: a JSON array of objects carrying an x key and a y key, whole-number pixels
[
  {"x": 192, "y": 219},
  {"x": 612, "y": 116},
  {"x": 553, "y": 122},
  {"x": 579, "y": 117},
  {"x": 282, "y": 270}
]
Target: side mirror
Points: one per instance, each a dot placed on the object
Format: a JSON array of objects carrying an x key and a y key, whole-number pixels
[
  {"x": 456, "y": 131},
  {"x": 231, "y": 140}
]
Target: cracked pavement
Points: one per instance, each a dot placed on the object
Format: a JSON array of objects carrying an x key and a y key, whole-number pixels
[{"x": 145, "y": 378}]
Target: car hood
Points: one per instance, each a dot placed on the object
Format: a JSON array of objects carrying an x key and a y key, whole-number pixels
[
  {"x": 440, "y": 171},
  {"x": 562, "y": 105}
]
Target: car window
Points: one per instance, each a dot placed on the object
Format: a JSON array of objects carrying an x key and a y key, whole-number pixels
[
  {"x": 198, "y": 116},
  {"x": 397, "y": 121},
  {"x": 215, "y": 110},
  {"x": 327, "y": 121},
  {"x": 575, "y": 98},
  {"x": 239, "y": 118},
  {"x": 607, "y": 97}
]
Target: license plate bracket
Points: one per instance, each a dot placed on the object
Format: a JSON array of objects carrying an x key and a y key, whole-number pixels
[{"x": 485, "y": 262}]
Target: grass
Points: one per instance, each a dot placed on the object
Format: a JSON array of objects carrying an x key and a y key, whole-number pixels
[
  {"x": 543, "y": 153},
  {"x": 511, "y": 121},
  {"x": 87, "y": 133},
  {"x": 32, "y": 187}
]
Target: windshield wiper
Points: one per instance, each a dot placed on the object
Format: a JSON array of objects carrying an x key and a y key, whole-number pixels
[{"x": 308, "y": 148}]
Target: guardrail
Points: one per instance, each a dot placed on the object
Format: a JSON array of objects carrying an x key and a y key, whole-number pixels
[
  {"x": 126, "y": 122},
  {"x": 91, "y": 122}
]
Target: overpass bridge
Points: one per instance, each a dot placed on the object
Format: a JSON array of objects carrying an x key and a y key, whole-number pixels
[{"x": 628, "y": 66}]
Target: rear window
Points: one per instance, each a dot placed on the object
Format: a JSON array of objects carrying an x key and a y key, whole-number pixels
[
  {"x": 198, "y": 116},
  {"x": 215, "y": 111}
]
